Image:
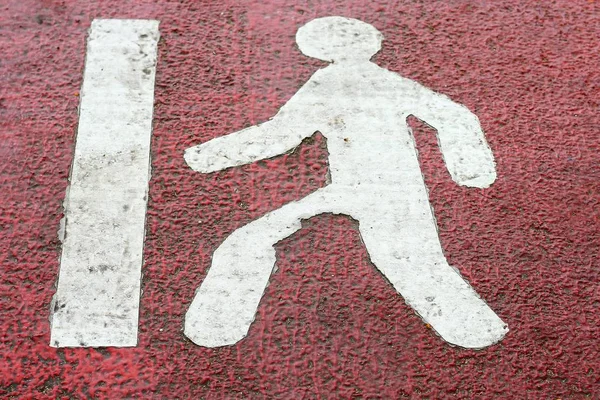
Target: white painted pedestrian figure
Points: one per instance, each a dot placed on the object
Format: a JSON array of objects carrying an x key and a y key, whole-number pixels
[{"x": 375, "y": 178}]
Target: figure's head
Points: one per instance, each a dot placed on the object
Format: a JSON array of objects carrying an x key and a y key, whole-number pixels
[{"x": 337, "y": 39}]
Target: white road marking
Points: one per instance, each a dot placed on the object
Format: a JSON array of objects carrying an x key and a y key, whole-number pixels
[
  {"x": 97, "y": 298},
  {"x": 375, "y": 177}
]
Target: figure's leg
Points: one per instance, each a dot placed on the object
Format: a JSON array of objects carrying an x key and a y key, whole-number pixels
[
  {"x": 404, "y": 246},
  {"x": 225, "y": 304}
]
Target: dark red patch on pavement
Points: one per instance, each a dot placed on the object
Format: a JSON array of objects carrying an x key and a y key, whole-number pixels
[{"x": 329, "y": 325}]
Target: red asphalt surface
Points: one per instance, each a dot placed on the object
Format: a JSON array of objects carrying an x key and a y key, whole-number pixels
[{"x": 329, "y": 326}]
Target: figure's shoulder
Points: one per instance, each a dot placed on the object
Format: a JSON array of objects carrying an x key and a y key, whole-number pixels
[
  {"x": 322, "y": 73},
  {"x": 391, "y": 75},
  {"x": 401, "y": 82},
  {"x": 320, "y": 78}
]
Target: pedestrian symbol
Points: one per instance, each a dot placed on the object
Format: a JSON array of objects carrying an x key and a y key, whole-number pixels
[{"x": 375, "y": 178}]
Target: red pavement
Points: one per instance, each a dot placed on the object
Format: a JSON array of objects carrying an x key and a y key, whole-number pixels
[{"x": 329, "y": 325}]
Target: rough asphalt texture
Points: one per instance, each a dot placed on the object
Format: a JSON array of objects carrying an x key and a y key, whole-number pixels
[{"x": 329, "y": 326}]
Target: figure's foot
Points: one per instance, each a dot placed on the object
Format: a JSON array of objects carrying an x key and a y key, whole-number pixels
[
  {"x": 225, "y": 305},
  {"x": 213, "y": 327},
  {"x": 474, "y": 327},
  {"x": 455, "y": 311}
]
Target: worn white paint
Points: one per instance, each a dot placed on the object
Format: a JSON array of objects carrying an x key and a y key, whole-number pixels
[
  {"x": 97, "y": 298},
  {"x": 375, "y": 177}
]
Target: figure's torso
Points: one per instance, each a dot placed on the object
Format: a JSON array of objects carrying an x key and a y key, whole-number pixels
[{"x": 361, "y": 109}]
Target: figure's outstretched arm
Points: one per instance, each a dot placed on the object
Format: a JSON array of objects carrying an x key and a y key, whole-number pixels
[
  {"x": 462, "y": 142},
  {"x": 269, "y": 139}
]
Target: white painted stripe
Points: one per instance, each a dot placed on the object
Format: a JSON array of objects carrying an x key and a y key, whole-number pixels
[
  {"x": 375, "y": 177},
  {"x": 97, "y": 298}
]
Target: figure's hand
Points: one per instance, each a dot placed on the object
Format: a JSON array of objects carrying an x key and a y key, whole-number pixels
[
  {"x": 467, "y": 156},
  {"x": 466, "y": 153},
  {"x": 206, "y": 157},
  {"x": 259, "y": 142},
  {"x": 471, "y": 164},
  {"x": 243, "y": 147}
]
